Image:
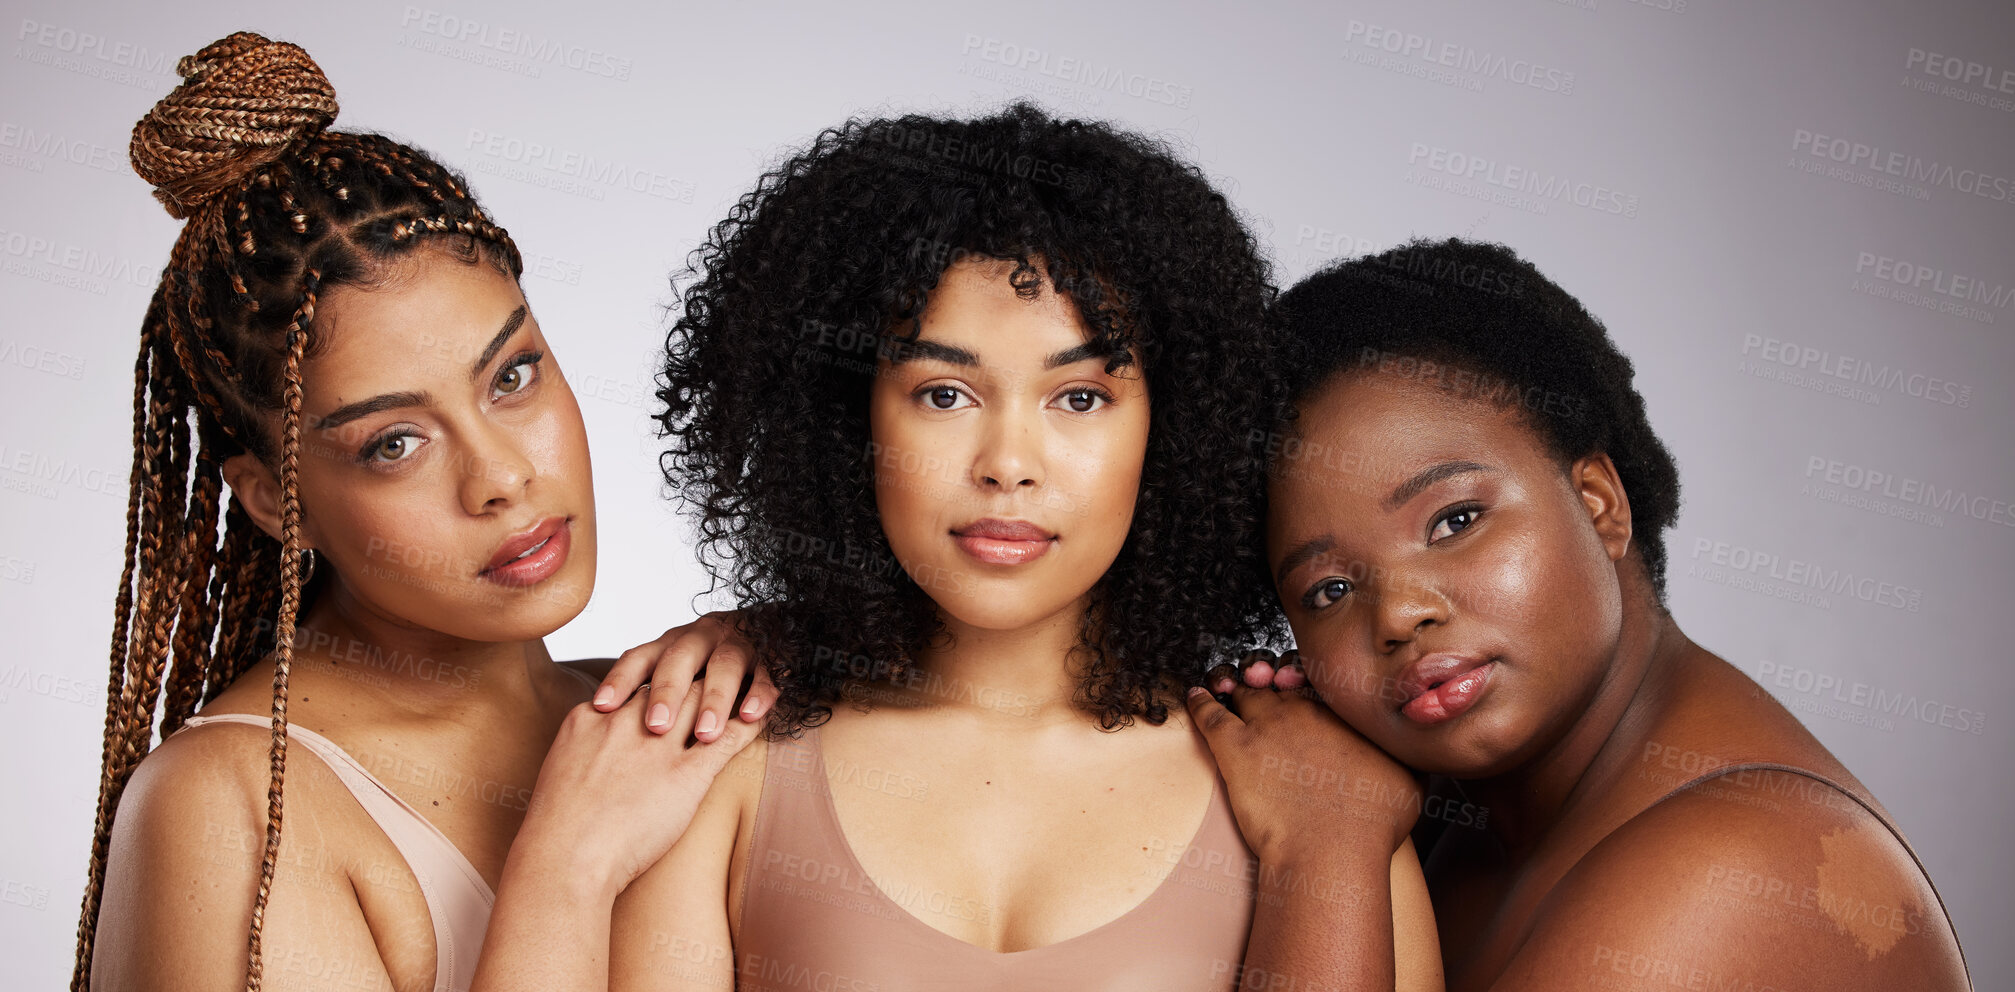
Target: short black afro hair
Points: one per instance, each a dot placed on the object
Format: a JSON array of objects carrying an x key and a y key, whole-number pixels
[
  {"x": 830, "y": 261},
  {"x": 1523, "y": 340}
]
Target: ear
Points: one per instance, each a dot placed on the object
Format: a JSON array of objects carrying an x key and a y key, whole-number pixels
[
  {"x": 1595, "y": 480},
  {"x": 257, "y": 490}
]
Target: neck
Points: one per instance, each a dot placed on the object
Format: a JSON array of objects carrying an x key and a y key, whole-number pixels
[
  {"x": 425, "y": 671},
  {"x": 1026, "y": 676},
  {"x": 1528, "y": 801}
]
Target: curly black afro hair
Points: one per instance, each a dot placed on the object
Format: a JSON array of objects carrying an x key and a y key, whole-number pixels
[
  {"x": 1523, "y": 340},
  {"x": 829, "y": 262}
]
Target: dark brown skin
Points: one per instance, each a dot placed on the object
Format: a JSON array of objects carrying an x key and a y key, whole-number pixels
[{"x": 1558, "y": 865}]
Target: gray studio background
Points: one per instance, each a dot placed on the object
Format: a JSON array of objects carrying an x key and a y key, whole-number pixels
[{"x": 1797, "y": 217}]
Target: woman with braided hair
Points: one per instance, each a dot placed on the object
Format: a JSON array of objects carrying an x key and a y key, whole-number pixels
[{"x": 339, "y": 336}]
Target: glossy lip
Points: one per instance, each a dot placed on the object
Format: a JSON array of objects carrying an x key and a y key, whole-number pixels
[
  {"x": 1453, "y": 679},
  {"x": 506, "y": 568},
  {"x": 998, "y": 541}
]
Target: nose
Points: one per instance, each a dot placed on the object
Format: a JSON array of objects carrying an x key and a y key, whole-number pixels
[
  {"x": 1404, "y": 607},
  {"x": 495, "y": 472},
  {"x": 1010, "y": 455}
]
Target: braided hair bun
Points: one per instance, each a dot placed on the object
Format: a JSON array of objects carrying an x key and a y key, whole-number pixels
[{"x": 243, "y": 102}]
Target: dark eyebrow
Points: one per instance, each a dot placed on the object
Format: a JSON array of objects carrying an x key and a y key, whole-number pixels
[
  {"x": 1427, "y": 477},
  {"x": 392, "y": 401},
  {"x": 902, "y": 351},
  {"x": 511, "y": 325},
  {"x": 1071, "y": 356},
  {"x": 364, "y": 408},
  {"x": 1302, "y": 555}
]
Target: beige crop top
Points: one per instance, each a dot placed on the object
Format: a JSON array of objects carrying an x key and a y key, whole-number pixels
[{"x": 812, "y": 919}]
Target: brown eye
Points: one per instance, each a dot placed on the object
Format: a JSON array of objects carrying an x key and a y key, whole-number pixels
[
  {"x": 1453, "y": 522},
  {"x": 943, "y": 397},
  {"x": 1325, "y": 593},
  {"x": 392, "y": 449},
  {"x": 1084, "y": 400},
  {"x": 511, "y": 379}
]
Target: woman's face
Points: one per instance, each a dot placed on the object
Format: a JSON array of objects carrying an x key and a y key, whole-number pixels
[
  {"x": 1006, "y": 460},
  {"x": 1452, "y": 590},
  {"x": 439, "y": 440}
]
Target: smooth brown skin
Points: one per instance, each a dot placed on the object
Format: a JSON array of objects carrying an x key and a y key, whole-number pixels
[
  {"x": 1012, "y": 773},
  {"x": 456, "y": 713},
  {"x": 1754, "y": 880}
]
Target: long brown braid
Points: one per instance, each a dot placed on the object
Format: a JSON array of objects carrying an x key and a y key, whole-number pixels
[{"x": 278, "y": 210}]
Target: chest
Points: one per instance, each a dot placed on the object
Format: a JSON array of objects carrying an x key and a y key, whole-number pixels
[
  {"x": 1010, "y": 852},
  {"x": 469, "y": 810}
]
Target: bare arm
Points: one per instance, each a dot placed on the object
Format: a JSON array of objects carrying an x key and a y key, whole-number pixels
[
  {"x": 1705, "y": 892},
  {"x": 1416, "y": 945},
  {"x": 612, "y": 799},
  {"x": 672, "y": 925}
]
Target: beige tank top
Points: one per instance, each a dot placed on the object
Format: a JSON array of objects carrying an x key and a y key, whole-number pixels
[
  {"x": 812, "y": 919},
  {"x": 458, "y": 900}
]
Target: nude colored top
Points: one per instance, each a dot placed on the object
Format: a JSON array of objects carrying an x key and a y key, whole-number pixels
[
  {"x": 812, "y": 918},
  {"x": 458, "y": 900}
]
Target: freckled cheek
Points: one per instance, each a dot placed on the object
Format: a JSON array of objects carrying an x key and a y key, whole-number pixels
[
  {"x": 393, "y": 538},
  {"x": 557, "y": 446}
]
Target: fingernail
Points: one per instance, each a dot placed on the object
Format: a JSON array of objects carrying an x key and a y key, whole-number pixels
[
  {"x": 1195, "y": 691},
  {"x": 707, "y": 721},
  {"x": 605, "y": 695},
  {"x": 660, "y": 715},
  {"x": 750, "y": 706}
]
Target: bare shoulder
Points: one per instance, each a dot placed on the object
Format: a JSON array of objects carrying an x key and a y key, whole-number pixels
[
  {"x": 1754, "y": 879},
  {"x": 196, "y": 783},
  {"x": 185, "y": 857}
]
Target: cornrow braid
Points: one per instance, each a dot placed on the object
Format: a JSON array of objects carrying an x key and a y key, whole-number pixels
[{"x": 278, "y": 211}]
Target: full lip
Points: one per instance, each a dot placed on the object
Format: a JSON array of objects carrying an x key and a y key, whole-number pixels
[
  {"x": 1002, "y": 529},
  {"x": 1431, "y": 670},
  {"x": 996, "y": 541},
  {"x": 518, "y": 544}
]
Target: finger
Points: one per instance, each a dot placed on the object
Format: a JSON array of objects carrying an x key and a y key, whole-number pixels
[
  {"x": 1216, "y": 723},
  {"x": 681, "y": 728},
  {"x": 674, "y": 673},
  {"x": 1289, "y": 677},
  {"x": 1221, "y": 678},
  {"x": 629, "y": 671},
  {"x": 1255, "y": 704},
  {"x": 727, "y": 669},
  {"x": 732, "y": 739},
  {"x": 761, "y": 696},
  {"x": 1258, "y": 673}
]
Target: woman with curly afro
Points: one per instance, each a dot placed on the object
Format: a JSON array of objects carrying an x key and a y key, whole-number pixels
[{"x": 964, "y": 410}]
